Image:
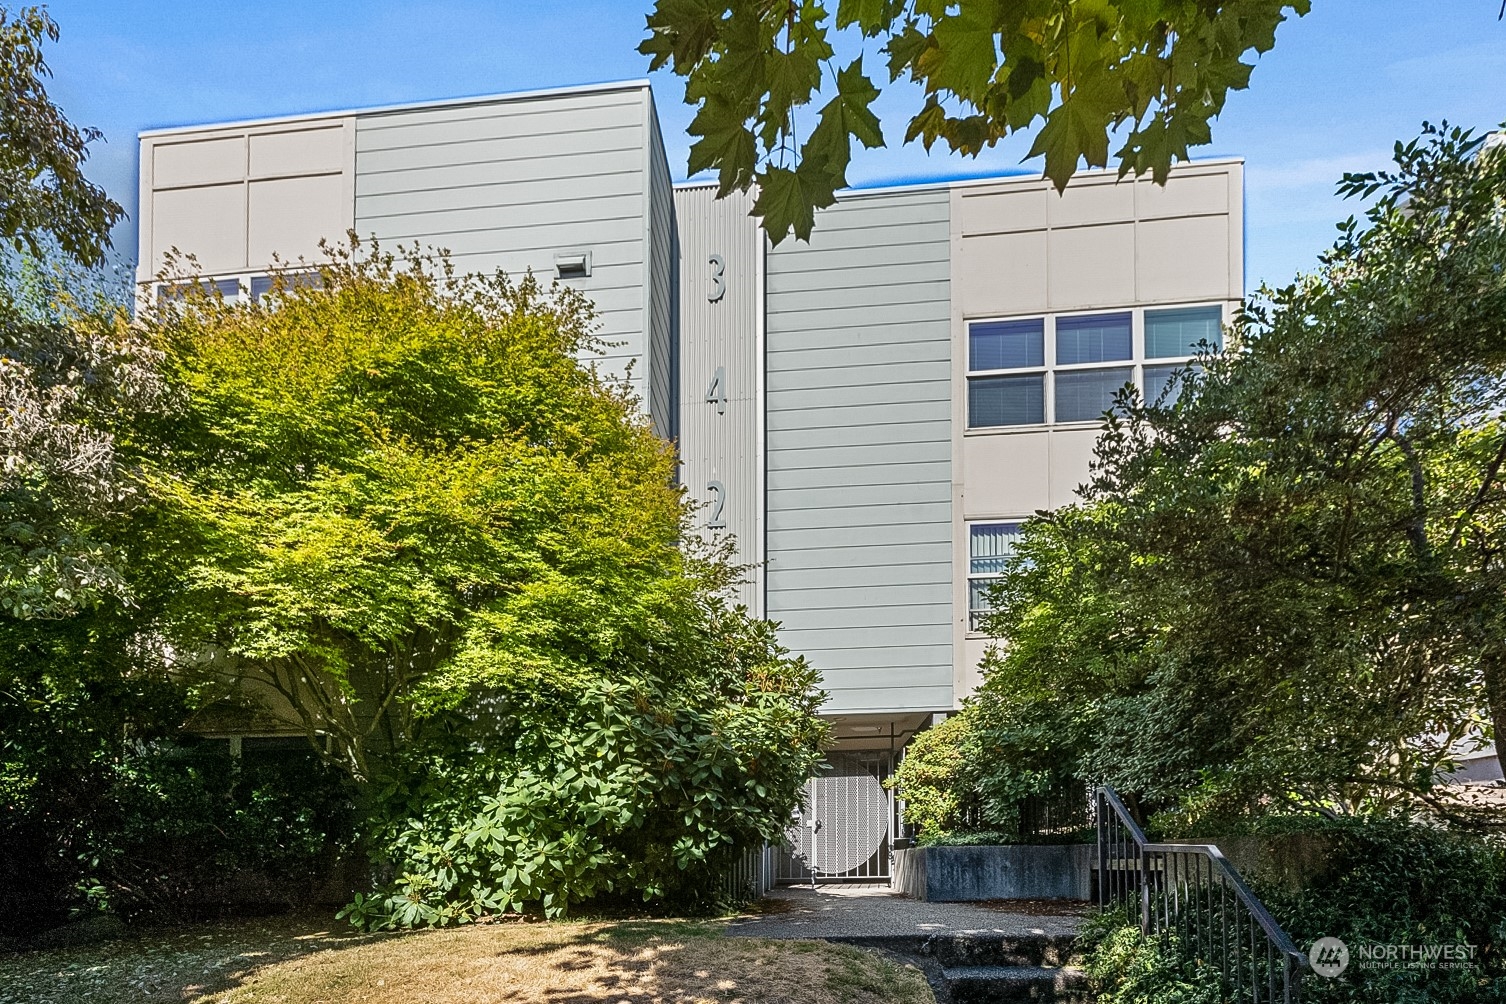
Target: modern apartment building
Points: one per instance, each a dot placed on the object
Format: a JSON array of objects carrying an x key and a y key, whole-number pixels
[{"x": 871, "y": 414}]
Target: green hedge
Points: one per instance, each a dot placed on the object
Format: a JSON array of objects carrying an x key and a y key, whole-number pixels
[{"x": 1388, "y": 882}]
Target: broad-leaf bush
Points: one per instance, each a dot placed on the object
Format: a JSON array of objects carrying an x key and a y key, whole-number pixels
[
  {"x": 642, "y": 789},
  {"x": 1383, "y": 882},
  {"x": 1391, "y": 882},
  {"x": 183, "y": 828},
  {"x": 1127, "y": 967}
]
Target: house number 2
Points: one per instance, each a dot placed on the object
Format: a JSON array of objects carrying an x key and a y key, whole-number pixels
[
  {"x": 716, "y": 521},
  {"x": 718, "y": 278}
]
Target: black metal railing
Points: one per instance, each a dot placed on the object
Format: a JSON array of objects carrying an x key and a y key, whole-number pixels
[
  {"x": 1190, "y": 896},
  {"x": 1061, "y": 814}
]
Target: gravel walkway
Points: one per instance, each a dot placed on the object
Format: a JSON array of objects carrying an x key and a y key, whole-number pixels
[{"x": 875, "y": 911}]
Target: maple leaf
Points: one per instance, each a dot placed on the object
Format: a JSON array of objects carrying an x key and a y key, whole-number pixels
[
  {"x": 1077, "y": 129},
  {"x": 965, "y": 56},
  {"x": 986, "y": 69},
  {"x": 787, "y": 200},
  {"x": 846, "y": 116},
  {"x": 870, "y": 16},
  {"x": 681, "y": 32},
  {"x": 726, "y": 144}
]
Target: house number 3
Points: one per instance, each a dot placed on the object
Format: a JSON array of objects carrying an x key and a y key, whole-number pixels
[{"x": 718, "y": 278}]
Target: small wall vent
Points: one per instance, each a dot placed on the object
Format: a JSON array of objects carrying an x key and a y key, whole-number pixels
[{"x": 572, "y": 264}]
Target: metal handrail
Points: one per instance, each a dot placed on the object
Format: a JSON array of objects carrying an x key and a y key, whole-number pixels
[{"x": 1202, "y": 876}]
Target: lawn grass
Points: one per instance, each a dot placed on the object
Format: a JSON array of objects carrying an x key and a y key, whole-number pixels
[{"x": 317, "y": 961}]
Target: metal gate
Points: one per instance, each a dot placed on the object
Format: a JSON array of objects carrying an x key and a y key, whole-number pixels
[{"x": 844, "y": 831}]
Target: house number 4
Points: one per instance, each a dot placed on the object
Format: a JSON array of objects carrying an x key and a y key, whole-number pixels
[{"x": 717, "y": 393}]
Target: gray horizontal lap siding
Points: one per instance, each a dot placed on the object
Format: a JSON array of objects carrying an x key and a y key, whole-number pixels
[
  {"x": 859, "y": 451},
  {"x": 507, "y": 185}
]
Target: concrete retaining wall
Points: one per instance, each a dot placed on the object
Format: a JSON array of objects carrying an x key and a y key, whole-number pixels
[
  {"x": 1015, "y": 871},
  {"x": 1293, "y": 861}
]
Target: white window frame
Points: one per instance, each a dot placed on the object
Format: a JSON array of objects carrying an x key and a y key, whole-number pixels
[
  {"x": 244, "y": 284},
  {"x": 972, "y": 615},
  {"x": 1136, "y": 364},
  {"x": 1136, "y": 341}
]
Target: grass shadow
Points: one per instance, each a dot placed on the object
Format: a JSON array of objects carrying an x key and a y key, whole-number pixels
[{"x": 304, "y": 960}]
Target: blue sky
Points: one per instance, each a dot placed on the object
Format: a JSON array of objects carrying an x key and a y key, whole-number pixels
[{"x": 1342, "y": 84}]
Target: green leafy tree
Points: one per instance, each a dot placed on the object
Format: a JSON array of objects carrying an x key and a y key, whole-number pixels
[
  {"x": 408, "y": 523},
  {"x": 68, "y": 361},
  {"x": 45, "y": 200},
  {"x": 1285, "y": 588},
  {"x": 1149, "y": 74},
  {"x": 72, "y": 368},
  {"x": 73, "y": 702},
  {"x": 399, "y": 485}
]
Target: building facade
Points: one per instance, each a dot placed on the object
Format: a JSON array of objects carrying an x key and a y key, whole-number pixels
[{"x": 870, "y": 415}]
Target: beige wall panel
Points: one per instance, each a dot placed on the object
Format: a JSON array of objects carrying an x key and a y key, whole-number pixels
[
  {"x": 1104, "y": 246},
  {"x": 1006, "y": 474},
  {"x": 1071, "y": 452},
  {"x": 1004, "y": 212},
  {"x": 1091, "y": 204},
  {"x": 300, "y": 151},
  {"x": 207, "y": 222},
  {"x": 200, "y": 162},
  {"x": 1183, "y": 195},
  {"x": 1183, "y": 259},
  {"x": 1002, "y": 274},
  {"x": 290, "y": 215},
  {"x": 970, "y": 678},
  {"x": 1092, "y": 267}
]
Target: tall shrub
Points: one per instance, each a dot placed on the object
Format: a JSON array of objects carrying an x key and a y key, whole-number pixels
[{"x": 422, "y": 532}]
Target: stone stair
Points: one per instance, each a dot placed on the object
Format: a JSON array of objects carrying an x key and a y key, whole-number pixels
[
  {"x": 984, "y": 967},
  {"x": 1009, "y": 984}
]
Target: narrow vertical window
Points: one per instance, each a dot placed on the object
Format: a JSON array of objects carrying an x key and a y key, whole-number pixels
[{"x": 990, "y": 546}]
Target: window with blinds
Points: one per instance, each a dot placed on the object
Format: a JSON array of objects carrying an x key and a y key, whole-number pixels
[
  {"x": 1067, "y": 368},
  {"x": 990, "y": 546}
]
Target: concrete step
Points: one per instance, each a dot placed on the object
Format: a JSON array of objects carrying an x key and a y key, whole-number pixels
[
  {"x": 977, "y": 948},
  {"x": 1011, "y": 984}
]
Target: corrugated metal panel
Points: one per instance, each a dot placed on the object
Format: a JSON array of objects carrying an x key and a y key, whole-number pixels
[
  {"x": 662, "y": 390},
  {"x": 859, "y": 450},
  {"x": 718, "y": 318},
  {"x": 510, "y": 184}
]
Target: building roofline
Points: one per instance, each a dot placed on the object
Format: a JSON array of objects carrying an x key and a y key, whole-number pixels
[
  {"x": 972, "y": 181},
  {"x": 641, "y": 84}
]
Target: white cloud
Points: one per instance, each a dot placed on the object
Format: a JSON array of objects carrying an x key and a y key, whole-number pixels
[{"x": 1464, "y": 60}]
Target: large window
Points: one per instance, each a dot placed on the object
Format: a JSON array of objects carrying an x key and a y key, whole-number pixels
[
  {"x": 989, "y": 546},
  {"x": 1067, "y": 368}
]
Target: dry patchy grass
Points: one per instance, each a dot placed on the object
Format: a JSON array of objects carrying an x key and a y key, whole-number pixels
[{"x": 308, "y": 962}]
